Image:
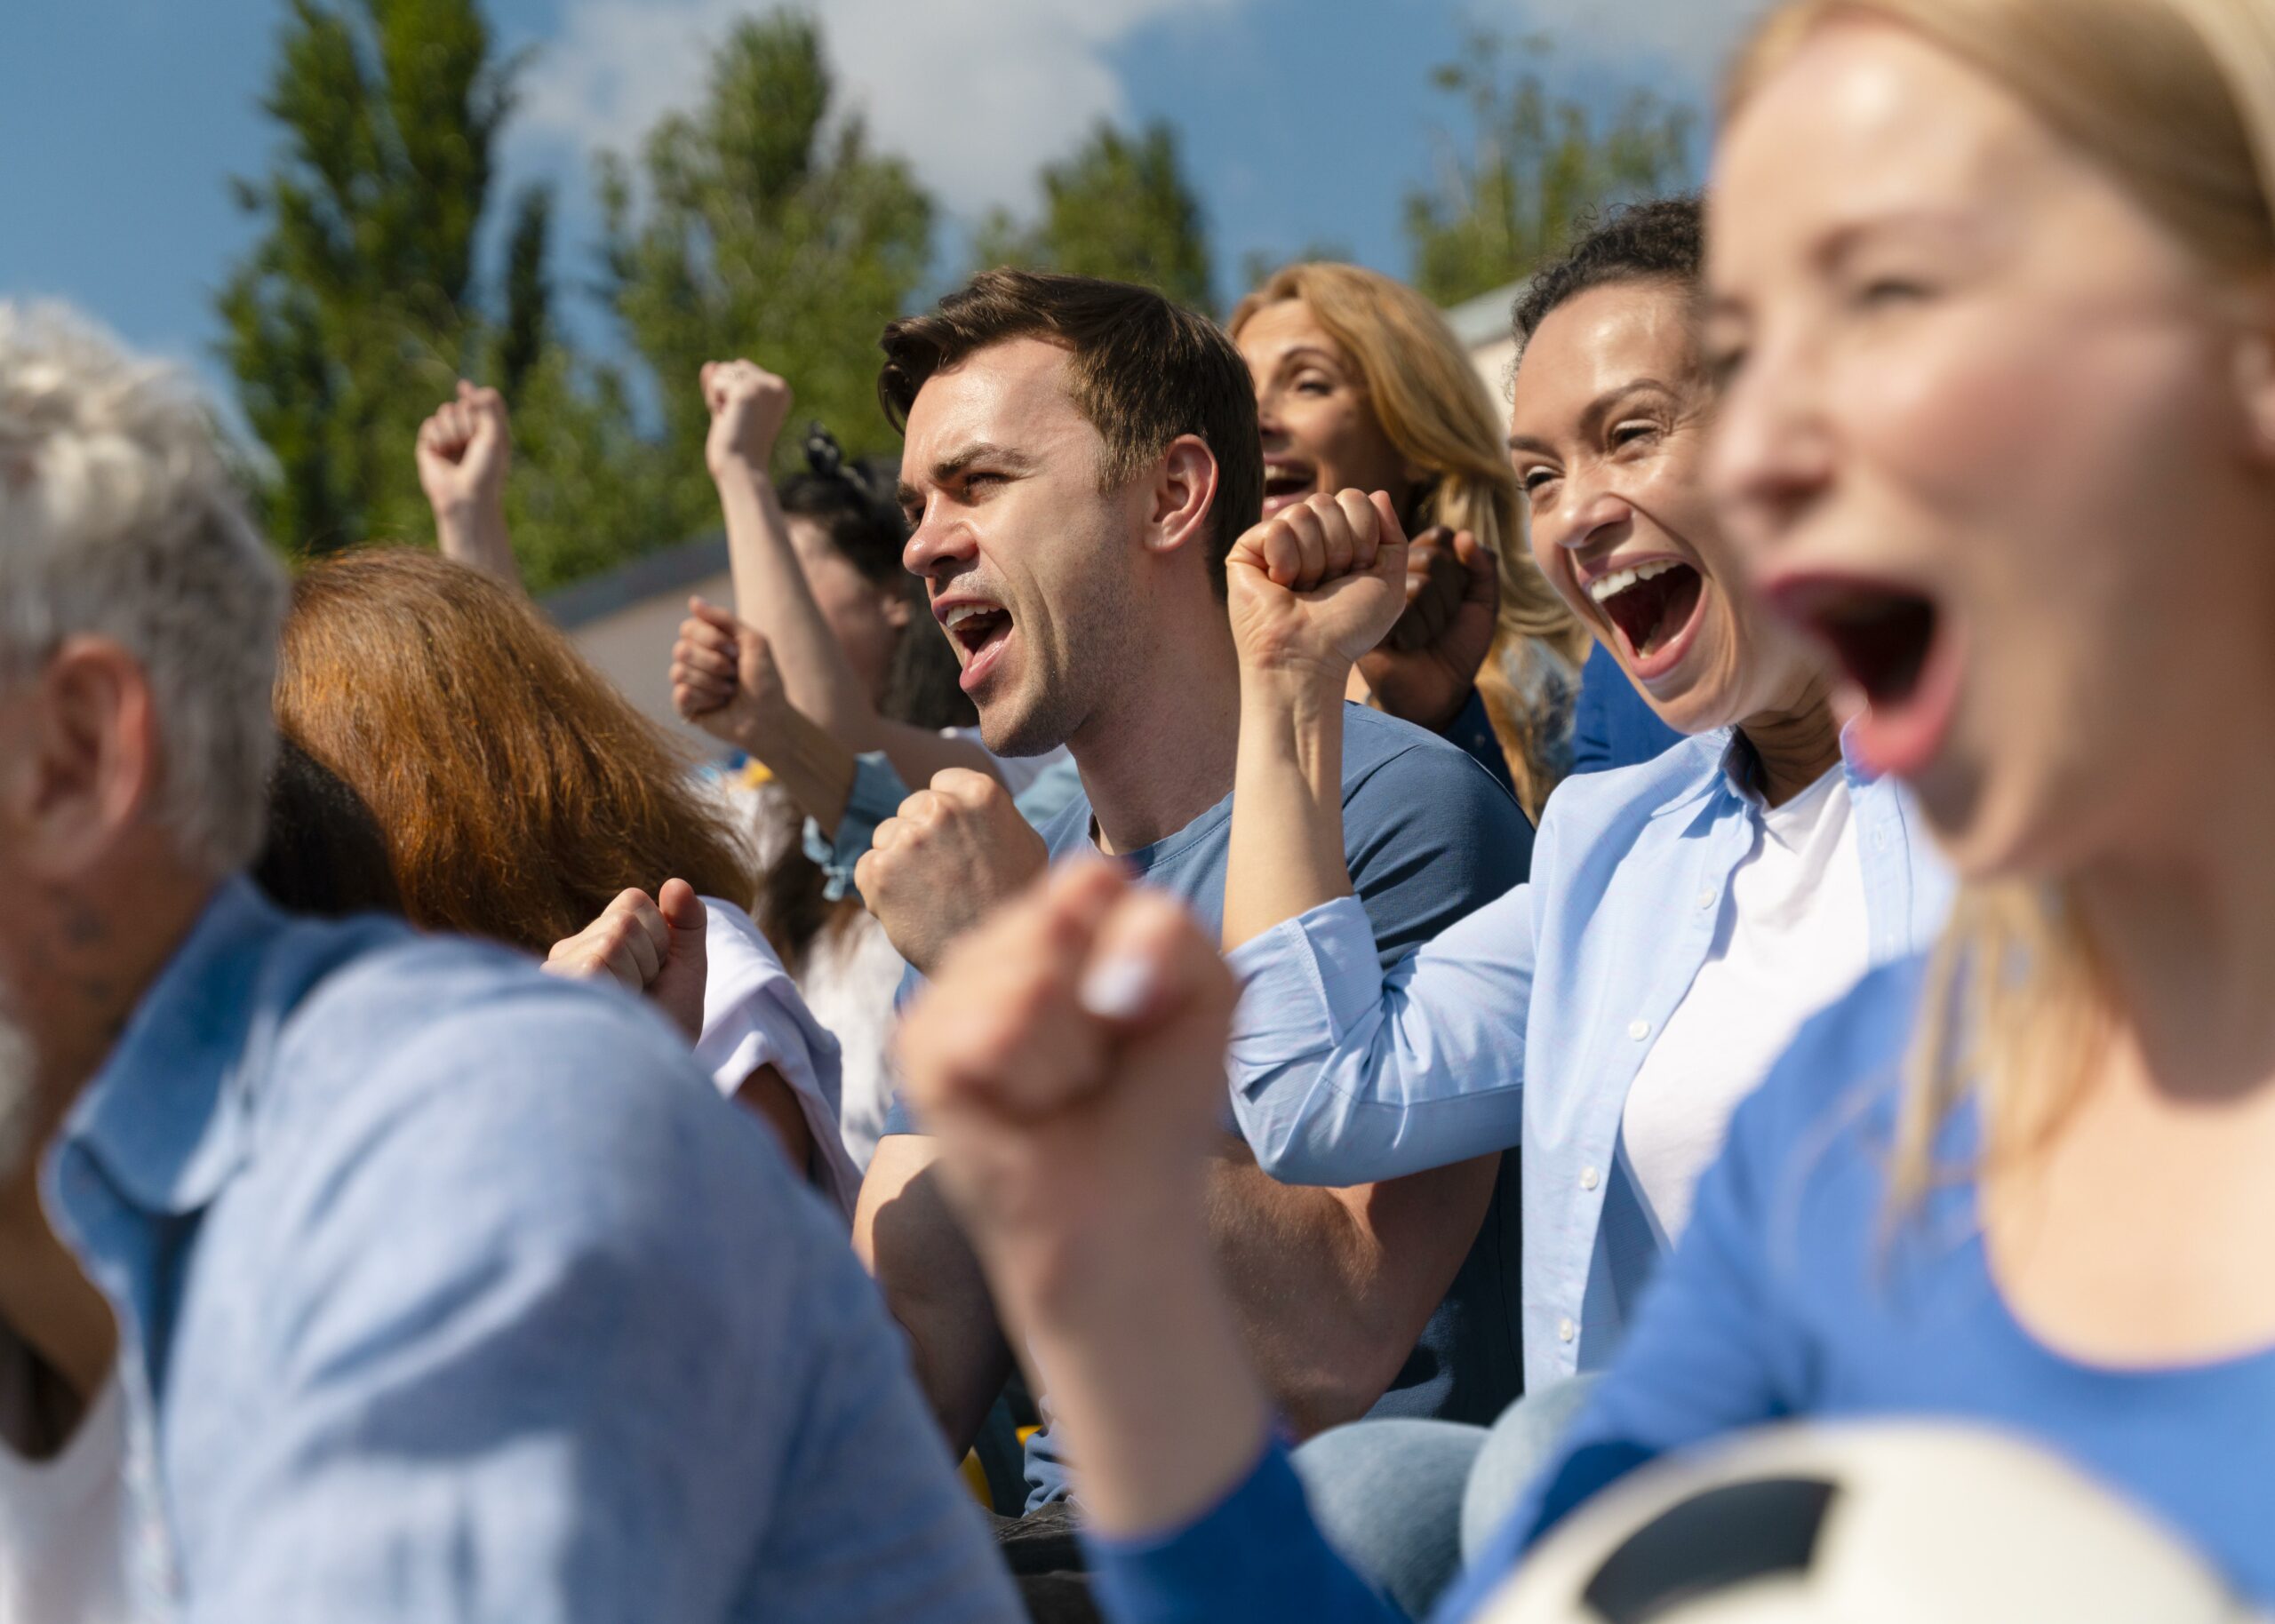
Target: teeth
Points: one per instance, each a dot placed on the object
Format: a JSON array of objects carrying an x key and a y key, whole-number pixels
[
  {"x": 966, "y": 612},
  {"x": 1619, "y": 580}
]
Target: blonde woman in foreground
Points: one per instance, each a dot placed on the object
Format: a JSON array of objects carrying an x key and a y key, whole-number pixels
[{"x": 1992, "y": 290}]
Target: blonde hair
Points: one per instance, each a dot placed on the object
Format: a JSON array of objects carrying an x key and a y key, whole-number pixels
[
  {"x": 2174, "y": 99},
  {"x": 1436, "y": 411}
]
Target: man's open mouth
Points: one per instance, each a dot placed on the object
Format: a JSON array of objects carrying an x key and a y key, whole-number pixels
[
  {"x": 1650, "y": 605},
  {"x": 977, "y": 630}
]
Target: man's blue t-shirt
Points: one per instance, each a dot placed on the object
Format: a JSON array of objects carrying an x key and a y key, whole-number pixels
[{"x": 1429, "y": 838}]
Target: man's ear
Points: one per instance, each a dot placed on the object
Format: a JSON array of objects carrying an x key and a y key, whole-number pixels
[
  {"x": 91, "y": 767},
  {"x": 1184, "y": 494},
  {"x": 899, "y": 611}
]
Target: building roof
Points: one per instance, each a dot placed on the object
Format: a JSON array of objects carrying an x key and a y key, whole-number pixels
[
  {"x": 1481, "y": 321},
  {"x": 651, "y": 575}
]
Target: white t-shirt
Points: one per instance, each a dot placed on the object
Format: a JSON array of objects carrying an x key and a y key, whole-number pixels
[
  {"x": 850, "y": 978},
  {"x": 752, "y": 1016},
  {"x": 64, "y": 1523},
  {"x": 1792, "y": 936}
]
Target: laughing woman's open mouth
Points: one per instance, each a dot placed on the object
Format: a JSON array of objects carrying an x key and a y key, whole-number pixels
[{"x": 1655, "y": 607}]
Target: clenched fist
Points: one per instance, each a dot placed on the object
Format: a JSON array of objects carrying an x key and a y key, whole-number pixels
[
  {"x": 1423, "y": 670},
  {"x": 945, "y": 860},
  {"x": 653, "y": 946},
  {"x": 725, "y": 682},
  {"x": 1069, "y": 1058},
  {"x": 464, "y": 450},
  {"x": 747, "y": 406},
  {"x": 1317, "y": 584}
]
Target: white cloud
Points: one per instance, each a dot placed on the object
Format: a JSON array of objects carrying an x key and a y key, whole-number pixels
[
  {"x": 1690, "y": 39},
  {"x": 975, "y": 93}
]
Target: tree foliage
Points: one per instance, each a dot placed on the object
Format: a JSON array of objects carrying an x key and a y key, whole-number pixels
[
  {"x": 1118, "y": 207},
  {"x": 354, "y": 304},
  {"x": 358, "y": 305},
  {"x": 1537, "y": 164},
  {"x": 763, "y": 224}
]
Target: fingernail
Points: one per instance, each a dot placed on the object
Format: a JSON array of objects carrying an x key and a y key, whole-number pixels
[{"x": 1118, "y": 988}]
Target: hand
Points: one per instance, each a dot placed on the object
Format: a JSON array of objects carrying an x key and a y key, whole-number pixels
[
  {"x": 651, "y": 946},
  {"x": 747, "y": 406},
  {"x": 1069, "y": 1057},
  {"x": 1423, "y": 670},
  {"x": 464, "y": 450},
  {"x": 725, "y": 682},
  {"x": 1317, "y": 584},
  {"x": 946, "y": 859}
]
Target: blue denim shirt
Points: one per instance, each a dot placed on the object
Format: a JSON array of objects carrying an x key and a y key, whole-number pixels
[
  {"x": 1526, "y": 1022},
  {"x": 449, "y": 1290}
]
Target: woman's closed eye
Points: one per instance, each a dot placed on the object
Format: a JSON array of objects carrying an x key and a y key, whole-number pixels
[{"x": 1634, "y": 433}]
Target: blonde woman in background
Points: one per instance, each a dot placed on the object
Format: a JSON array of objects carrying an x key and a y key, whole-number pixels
[
  {"x": 1992, "y": 298},
  {"x": 1360, "y": 385}
]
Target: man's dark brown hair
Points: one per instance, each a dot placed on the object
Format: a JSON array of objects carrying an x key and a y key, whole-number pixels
[{"x": 1142, "y": 370}]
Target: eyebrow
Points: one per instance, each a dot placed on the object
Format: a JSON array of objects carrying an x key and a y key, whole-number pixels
[
  {"x": 1597, "y": 410},
  {"x": 948, "y": 468},
  {"x": 1845, "y": 240}
]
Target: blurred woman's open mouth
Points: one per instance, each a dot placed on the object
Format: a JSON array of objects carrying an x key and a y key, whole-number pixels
[
  {"x": 1655, "y": 607},
  {"x": 1286, "y": 481},
  {"x": 1897, "y": 648}
]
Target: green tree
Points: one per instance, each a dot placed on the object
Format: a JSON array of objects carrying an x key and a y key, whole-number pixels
[
  {"x": 358, "y": 305},
  {"x": 765, "y": 227},
  {"x": 1537, "y": 164},
  {"x": 354, "y": 303},
  {"x": 1120, "y": 207}
]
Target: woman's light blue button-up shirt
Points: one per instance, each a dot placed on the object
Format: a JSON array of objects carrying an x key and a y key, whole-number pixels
[{"x": 1526, "y": 1023}]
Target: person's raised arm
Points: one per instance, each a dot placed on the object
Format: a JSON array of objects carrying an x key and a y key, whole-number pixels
[
  {"x": 464, "y": 452},
  {"x": 1311, "y": 590},
  {"x": 726, "y": 681},
  {"x": 748, "y": 405}
]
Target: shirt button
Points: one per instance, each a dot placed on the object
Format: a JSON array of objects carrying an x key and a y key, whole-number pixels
[
  {"x": 1880, "y": 839},
  {"x": 1639, "y": 1030},
  {"x": 1565, "y": 1331},
  {"x": 1587, "y": 1178},
  {"x": 1706, "y": 898}
]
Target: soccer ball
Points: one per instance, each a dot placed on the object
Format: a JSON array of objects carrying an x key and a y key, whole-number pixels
[{"x": 1862, "y": 1523}]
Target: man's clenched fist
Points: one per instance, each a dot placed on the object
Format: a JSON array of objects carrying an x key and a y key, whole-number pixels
[{"x": 952, "y": 853}]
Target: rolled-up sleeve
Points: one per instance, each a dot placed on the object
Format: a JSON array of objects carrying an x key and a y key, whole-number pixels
[
  {"x": 1344, "y": 1074},
  {"x": 876, "y": 795}
]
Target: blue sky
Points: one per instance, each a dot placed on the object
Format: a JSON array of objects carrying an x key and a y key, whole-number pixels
[{"x": 1304, "y": 120}]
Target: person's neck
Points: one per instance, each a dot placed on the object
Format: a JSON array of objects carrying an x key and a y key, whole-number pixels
[
  {"x": 1795, "y": 743},
  {"x": 1164, "y": 751},
  {"x": 54, "y": 1310},
  {"x": 2186, "y": 937},
  {"x": 87, "y": 961}
]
